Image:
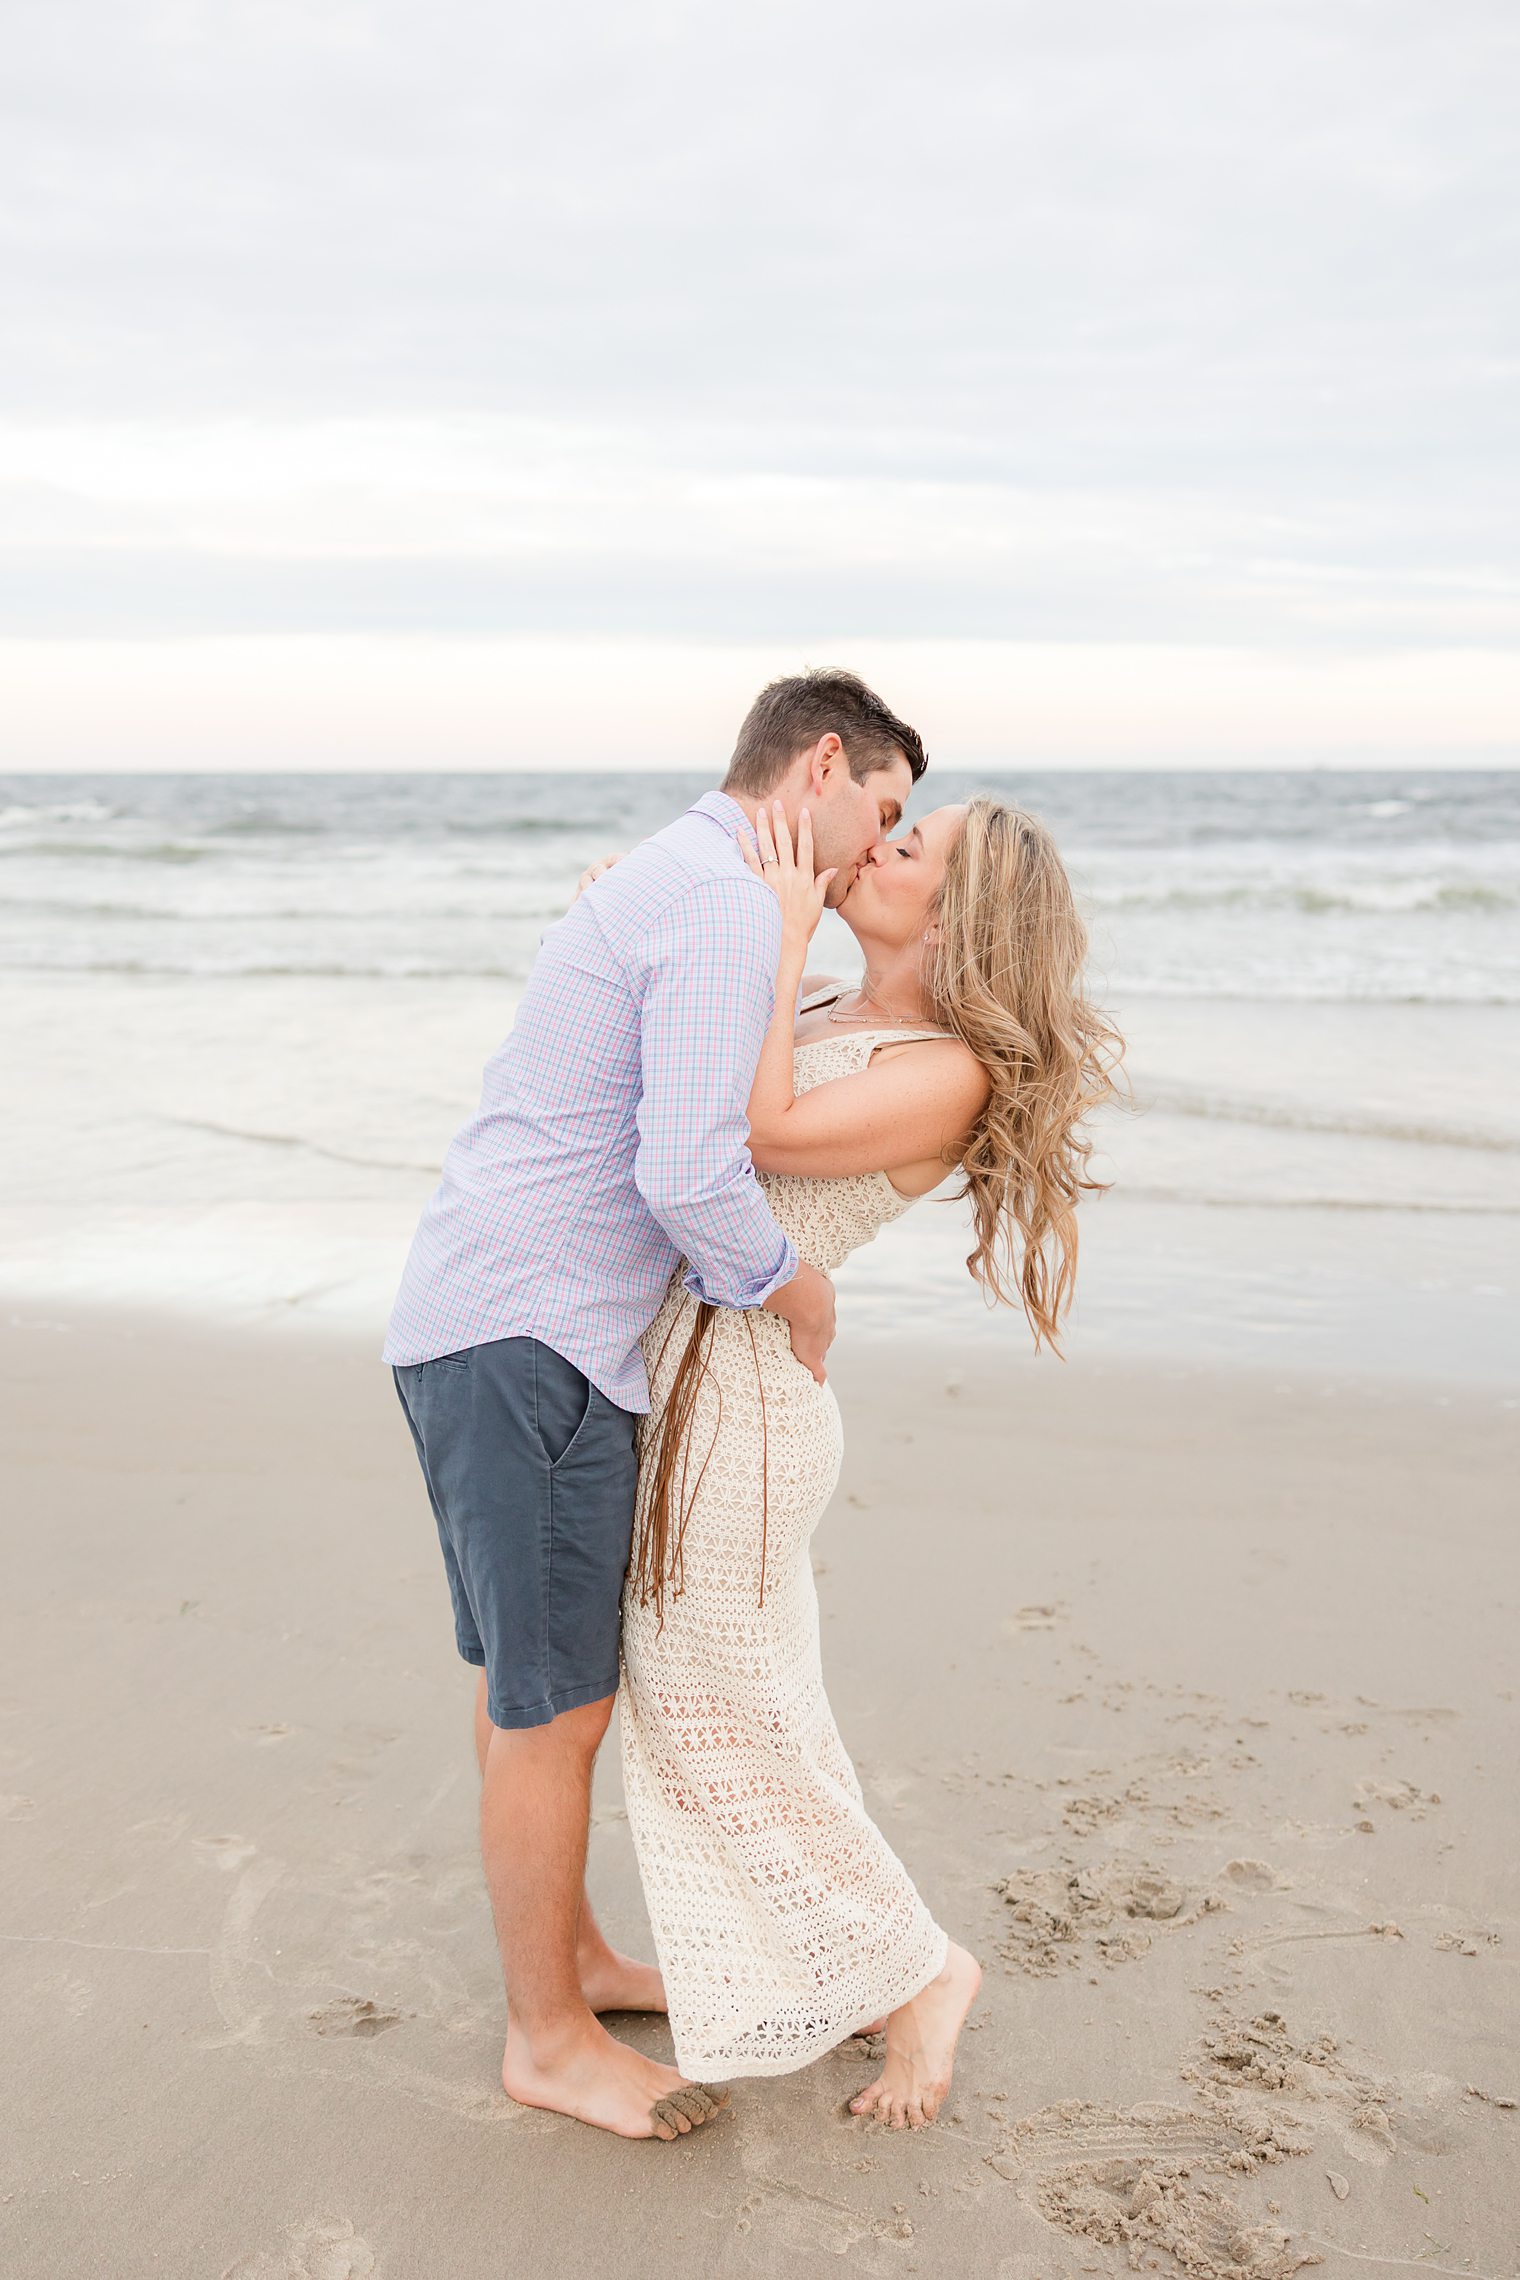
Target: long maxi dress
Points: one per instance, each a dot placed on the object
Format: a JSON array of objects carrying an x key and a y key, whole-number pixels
[{"x": 782, "y": 1918}]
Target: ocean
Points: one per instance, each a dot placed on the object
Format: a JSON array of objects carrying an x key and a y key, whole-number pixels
[
  {"x": 1297, "y": 887},
  {"x": 243, "y": 1014}
]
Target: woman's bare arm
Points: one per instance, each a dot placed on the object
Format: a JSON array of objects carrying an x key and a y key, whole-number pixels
[
  {"x": 911, "y": 1104},
  {"x": 772, "y": 1093}
]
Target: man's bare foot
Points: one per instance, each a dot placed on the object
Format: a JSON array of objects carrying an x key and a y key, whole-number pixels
[
  {"x": 594, "y": 2078},
  {"x": 921, "y": 2037},
  {"x": 613, "y": 1982}
]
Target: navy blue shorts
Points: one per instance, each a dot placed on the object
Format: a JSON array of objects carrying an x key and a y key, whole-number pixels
[{"x": 531, "y": 1472}]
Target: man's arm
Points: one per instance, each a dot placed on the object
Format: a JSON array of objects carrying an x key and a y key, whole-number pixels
[
  {"x": 707, "y": 991},
  {"x": 708, "y": 974}
]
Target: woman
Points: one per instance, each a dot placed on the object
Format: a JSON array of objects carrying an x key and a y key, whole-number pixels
[{"x": 783, "y": 1920}]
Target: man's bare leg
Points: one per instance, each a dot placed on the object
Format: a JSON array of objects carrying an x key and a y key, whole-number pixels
[
  {"x": 534, "y": 1807},
  {"x": 609, "y": 1981}
]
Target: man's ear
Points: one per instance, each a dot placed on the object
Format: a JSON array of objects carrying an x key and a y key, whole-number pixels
[{"x": 828, "y": 753}]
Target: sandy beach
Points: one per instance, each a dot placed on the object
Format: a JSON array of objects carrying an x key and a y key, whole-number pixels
[
  {"x": 439, "y": 449},
  {"x": 1189, "y": 1698},
  {"x": 1181, "y": 1676}
]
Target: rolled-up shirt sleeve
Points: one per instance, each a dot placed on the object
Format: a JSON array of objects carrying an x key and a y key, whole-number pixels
[{"x": 707, "y": 990}]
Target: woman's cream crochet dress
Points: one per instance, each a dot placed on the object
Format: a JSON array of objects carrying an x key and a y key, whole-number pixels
[{"x": 782, "y": 1917}]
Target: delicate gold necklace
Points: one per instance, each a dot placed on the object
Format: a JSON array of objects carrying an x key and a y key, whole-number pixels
[{"x": 897, "y": 1020}]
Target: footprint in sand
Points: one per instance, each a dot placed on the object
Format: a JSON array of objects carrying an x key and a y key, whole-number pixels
[
  {"x": 370, "y": 1737},
  {"x": 1253, "y": 1876},
  {"x": 796, "y": 2220},
  {"x": 353, "y": 2015},
  {"x": 323, "y": 2248},
  {"x": 1264, "y": 2066},
  {"x": 75, "y": 1995},
  {"x": 226, "y": 1853},
  {"x": 1060, "y": 1917},
  {"x": 1087, "y": 1814},
  {"x": 1145, "y": 2178},
  {"x": 1464, "y": 1943},
  {"x": 1403, "y": 1796},
  {"x": 1263, "y": 2052}
]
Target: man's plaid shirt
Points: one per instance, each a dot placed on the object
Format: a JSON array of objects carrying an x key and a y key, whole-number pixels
[{"x": 610, "y": 1141}]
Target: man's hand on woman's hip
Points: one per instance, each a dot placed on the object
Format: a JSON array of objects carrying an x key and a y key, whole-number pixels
[{"x": 806, "y": 1304}]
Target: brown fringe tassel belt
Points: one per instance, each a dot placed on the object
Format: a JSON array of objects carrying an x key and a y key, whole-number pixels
[{"x": 666, "y": 1510}]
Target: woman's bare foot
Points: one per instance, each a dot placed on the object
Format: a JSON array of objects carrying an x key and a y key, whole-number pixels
[
  {"x": 921, "y": 2037},
  {"x": 613, "y": 1982},
  {"x": 594, "y": 2078}
]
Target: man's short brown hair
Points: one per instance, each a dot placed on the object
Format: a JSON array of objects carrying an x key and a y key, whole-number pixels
[{"x": 793, "y": 714}]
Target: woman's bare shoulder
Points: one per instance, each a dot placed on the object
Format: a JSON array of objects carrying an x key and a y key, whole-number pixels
[
  {"x": 813, "y": 983},
  {"x": 950, "y": 1061}
]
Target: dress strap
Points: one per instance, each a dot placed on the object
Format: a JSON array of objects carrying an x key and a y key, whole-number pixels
[
  {"x": 826, "y": 996},
  {"x": 899, "y": 1036}
]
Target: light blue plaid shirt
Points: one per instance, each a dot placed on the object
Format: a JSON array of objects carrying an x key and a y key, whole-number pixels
[{"x": 611, "y": 1136}]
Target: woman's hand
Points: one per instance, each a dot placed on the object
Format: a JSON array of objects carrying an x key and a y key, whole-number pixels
[
  {"x": 594, "y": 871},
  {"x": 788, "y": 872}
]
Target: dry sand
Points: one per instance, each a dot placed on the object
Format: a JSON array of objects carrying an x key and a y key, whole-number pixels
[{"x": 1190, "y": 1701}]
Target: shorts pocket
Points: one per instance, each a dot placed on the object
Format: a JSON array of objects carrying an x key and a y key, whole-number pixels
[{"x": 562, "y": 1402}]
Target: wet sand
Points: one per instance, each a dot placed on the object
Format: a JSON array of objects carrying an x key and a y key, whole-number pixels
[{"x": 1190, "y": 1699}]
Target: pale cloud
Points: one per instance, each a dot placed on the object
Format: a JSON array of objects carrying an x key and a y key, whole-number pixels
[
  {"x": 486, "y": 526},
  {"x": 1179, "y": 327}
]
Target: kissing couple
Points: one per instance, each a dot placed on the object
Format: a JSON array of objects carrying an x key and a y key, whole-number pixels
[{"x": 609, "y": 1343}]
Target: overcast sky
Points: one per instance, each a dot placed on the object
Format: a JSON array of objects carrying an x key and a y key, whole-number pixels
[{"x": 1122, "y": 379}]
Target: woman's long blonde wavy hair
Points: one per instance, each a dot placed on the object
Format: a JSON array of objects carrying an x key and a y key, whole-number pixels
[{"x": 1004, "y": 974}]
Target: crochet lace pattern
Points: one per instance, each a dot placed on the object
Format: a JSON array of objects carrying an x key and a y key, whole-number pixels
[{"x": 782, "y": 1918}]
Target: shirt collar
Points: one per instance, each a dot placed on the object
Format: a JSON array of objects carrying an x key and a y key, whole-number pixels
[{"x": 726, "y": 813}]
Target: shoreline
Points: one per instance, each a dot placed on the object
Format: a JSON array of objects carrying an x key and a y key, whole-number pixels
[
  {"x": 1379, "y": 1298},
  {"x": 1186, "y": 1695},
  {"x": 260, "y": 1151}
]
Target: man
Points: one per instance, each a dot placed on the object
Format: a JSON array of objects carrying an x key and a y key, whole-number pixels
[{"x": 609, "y": 1145}]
